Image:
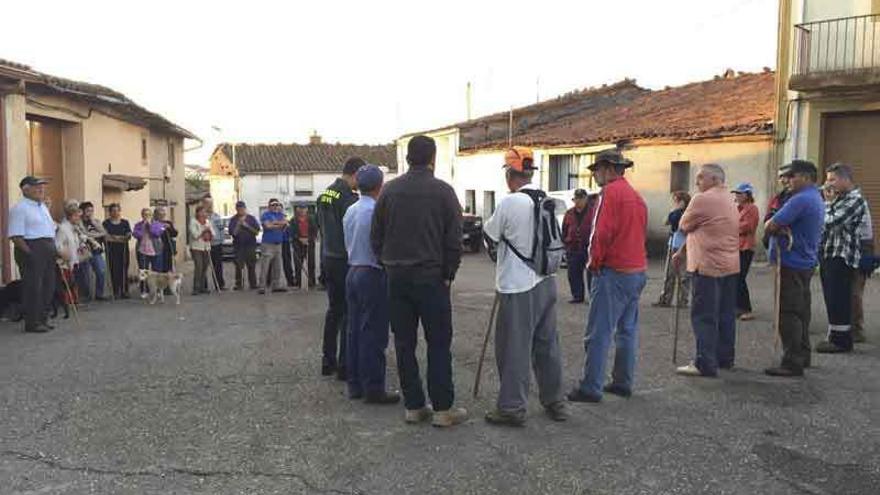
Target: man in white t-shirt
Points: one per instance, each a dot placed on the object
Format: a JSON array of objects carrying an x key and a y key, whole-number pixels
[{"x": 526, "y": 326}]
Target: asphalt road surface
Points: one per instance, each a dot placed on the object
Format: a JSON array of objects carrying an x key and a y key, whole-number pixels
[{"x": 222, "y": 395}]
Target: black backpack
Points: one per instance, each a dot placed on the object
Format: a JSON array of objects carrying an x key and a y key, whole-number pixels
[{"x": 547, "y": 245}]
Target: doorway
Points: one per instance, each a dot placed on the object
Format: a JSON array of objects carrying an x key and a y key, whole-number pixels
[{"x": 46, "y": 160}]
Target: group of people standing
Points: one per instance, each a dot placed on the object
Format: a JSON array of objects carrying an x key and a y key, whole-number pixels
[
  {"x": 285, "y": 246},
  {"x": 803, "y": 231},
  {"x": 389, "y": 257},
  {"x": 73, "y": 256}
]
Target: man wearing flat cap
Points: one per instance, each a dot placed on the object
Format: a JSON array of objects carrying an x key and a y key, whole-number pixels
[
  {"x": 802, "y": 216},
  {"x": 366, "y": 288},
  {"x": 244, "y": 229},
  {"x": 618, "y": 261},
  {"x": 32, "y": 232}
]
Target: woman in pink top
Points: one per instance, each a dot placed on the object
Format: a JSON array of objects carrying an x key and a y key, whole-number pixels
[
  {"x": 748, "y": 228},
  {"x": 149, "y": 244}
]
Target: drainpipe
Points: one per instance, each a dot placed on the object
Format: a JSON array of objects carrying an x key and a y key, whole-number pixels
[
  {"x": 796, "y": 118},
  {"x": 5, "y": 251}
]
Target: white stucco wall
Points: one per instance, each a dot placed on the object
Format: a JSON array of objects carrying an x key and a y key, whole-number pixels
[
  {"x": 819, "y": 10},
  {"x": 255, "y": 196}
]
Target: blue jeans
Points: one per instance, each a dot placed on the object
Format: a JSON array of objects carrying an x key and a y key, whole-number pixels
[
  {"x": 713, "y": 316},
  {"x": 367, "y": 295},
  {"x": 614, "y": 310},
  {"x": 83, "y": 280}
]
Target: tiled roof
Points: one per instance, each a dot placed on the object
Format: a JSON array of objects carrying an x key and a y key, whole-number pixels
[
  {"x": 479, "y": 132},
  {"x": 93, "y": 94},
  {"x": 305, "y": 158},
  {"x": 728, "y": 105},
  {"x": 732, "y": 105}
]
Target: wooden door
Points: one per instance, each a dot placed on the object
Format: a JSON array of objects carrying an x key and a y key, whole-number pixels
[
  {"x": 854, "y": 139},
  {"x": 47, "y": 160}
]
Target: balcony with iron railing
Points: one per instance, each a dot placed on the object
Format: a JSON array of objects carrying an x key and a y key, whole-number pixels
[{"x": 837, "y": 54}]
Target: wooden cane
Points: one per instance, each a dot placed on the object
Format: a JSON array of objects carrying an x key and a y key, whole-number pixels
[
  {"x": 676, "y": 293},
  {"x": 485, "y": 345},
  {"x": 69, "y": 295}
]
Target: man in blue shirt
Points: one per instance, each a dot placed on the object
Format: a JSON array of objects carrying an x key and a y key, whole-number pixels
[
  {"x": 802, "y": 216},
  {"x": 32, "y": 232},
  {"x": 366, "y": 288},
  {"x": 274, "y": 223}
]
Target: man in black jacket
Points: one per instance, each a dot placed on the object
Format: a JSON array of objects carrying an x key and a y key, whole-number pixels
[
  {"x": 416, "y": 235},
  {"x": 332, "y": 204}
]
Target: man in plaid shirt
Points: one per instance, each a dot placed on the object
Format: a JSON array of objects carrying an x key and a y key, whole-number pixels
[{"x": 841, "y": 253}]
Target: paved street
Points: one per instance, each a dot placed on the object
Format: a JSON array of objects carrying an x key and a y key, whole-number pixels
[{"x": 221, "y": 395}]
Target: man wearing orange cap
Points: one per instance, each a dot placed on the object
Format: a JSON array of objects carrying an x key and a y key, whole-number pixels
[
  {"x": 618, "y": 261},
  {"x": 525, "y": 331}
]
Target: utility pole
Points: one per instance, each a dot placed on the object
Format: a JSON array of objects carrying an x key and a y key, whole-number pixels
[{"x": 468, "y": 101}]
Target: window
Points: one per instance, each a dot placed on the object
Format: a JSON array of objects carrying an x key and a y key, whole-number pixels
[
  {"x": 269, "y": 183},
  {"x": 488, "y": 203},
  {"x": 303, "y": 185},
  {"x": 171, "y": 158},
  {"x": 470, "y": 201},
  {"x": 563, "y": 172},
  {"x": 680, "y": 177},
  {"x": 144, "y": 151}
]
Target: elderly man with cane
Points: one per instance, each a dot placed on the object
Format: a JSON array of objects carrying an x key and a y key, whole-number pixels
[
  {"x": 711, "y": 222},
  {"x": 618, "y": 260},
  {"x": 526, "y": 327},
  {"x": 794, "y": 231}
]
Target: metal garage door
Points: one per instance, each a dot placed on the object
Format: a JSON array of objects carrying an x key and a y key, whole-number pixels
[{"x": 854, "y": 138}]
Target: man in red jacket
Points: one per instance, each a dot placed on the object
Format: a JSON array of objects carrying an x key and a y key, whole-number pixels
[
  {"x": 576, "y": 226},
  {"x": 618, "y": 261}
]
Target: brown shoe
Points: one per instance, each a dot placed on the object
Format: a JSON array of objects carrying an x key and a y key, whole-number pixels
[
  {"x": 505, "y": 418},
  {"x": 418, "y": 415},
  {"x": 449, "y": 417}
]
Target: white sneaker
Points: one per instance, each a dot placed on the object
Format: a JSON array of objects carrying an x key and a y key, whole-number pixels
[
  {"x": 418, "y": 415},
  {"x": 688, "y": 370},
  {"x": 450, "y": 417}
]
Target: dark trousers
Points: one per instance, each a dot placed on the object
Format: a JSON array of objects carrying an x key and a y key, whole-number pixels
[
  {"x": 287, "y": 263},
  {"x": 837, "y": 284},
  {"x": 304, "y": 254},
  {"x": 367, "y": 294},
  {"x": 200, "y": 271},
  {"x": 335, "y": 323},
  {"x": 713, "y": 317},
  {"x": 414, "y": 298},
  {"x": 794, "y": 317},
  {"x": 217, "y": 261},
  {"x": 743, "y": 299},
  {"x": 577, "y": 263},
  {"x": 117, "y": 265},
  {"x": 246, "y": 258},
  {"x": 38, "y": 276}
]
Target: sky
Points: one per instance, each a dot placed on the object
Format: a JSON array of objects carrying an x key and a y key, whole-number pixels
[{"x": 370, "y": 71}]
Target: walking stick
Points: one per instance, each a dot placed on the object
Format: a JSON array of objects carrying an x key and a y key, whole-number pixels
[
  {"x": 213, "y": 273},
  {"x": 676, "y": 293},
  {"x": 485, "y": 345},
  {"x": 109, "y": 271},
  {"x": 69, "y": 295}
]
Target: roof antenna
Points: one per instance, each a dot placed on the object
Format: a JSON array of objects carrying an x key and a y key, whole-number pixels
[{"x": 510, "y": 128}]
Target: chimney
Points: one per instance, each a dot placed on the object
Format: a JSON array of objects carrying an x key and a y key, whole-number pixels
[{"x": 315, "y": 138}]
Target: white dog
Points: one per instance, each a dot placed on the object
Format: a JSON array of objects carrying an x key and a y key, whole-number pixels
[{"x": 158, "y": 282}]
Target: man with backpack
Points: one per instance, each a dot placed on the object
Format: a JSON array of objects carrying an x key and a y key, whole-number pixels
[
  {"x": 618, "y": 261},
  {"x": 529, "y": 253}
]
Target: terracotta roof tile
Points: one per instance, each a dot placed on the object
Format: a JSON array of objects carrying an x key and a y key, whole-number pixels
[
  {"x": 306, "y": 158},
  {"x": 91, "y": 93},
  {"x": 725, "y": 106}
]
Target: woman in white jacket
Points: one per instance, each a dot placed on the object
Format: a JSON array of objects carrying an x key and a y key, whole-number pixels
[{"x": 72, "y": 248}]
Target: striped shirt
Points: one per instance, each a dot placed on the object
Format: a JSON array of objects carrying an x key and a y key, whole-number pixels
[{"x": 843, "y": 221}]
